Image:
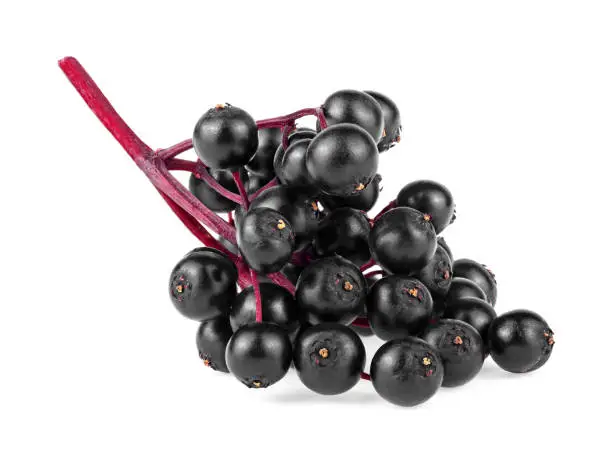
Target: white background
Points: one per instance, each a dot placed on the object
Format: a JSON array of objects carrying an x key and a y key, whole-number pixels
[{"x": 506, "y": 103}]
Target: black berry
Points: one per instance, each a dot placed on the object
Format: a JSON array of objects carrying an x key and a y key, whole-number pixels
[
  {"x": 344, "y": 232},
  {"x": 261, "y": 163},
  {"x": 398, "y": 306},
  {"x": 225, "y": 137},
  {"x": 403, "y": 241},
  {"x": 430, "y": 198},
  {"x": 329, "y": 358},
  {"x": 331, "y": 290},
  {"x": 520, "y": 341},
  {"x": 461, "y": 348},
  {"x": 342, "y": 160},
  {"x": 290, "y": 164},
  {"x": 265, "y": 239},
  {"x": 407, "y": 372},
  {"x": 474, "y": 311},
  {"x": 259, "y": 354},
  {"x": 393, "y": 125},
  {"x": 355, "y": 107},
  {"x": 211, "y": 341},
  {"x": 203, "y": 284},
  {"x": 480, "y": 274}
]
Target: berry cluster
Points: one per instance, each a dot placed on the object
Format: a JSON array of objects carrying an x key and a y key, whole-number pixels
[{"x": 299, "y": 270}]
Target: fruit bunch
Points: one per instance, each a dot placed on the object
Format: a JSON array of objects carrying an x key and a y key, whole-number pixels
[{"x": 299, "y": 271}]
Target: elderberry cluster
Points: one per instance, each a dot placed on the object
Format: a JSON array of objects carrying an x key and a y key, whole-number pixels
[{"x": 391, "y": 275}]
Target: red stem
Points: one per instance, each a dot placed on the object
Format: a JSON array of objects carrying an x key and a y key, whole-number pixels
[
  {"x": 244, "y": 198},
  {"x": 365, "y": 376},
  {"x": 361, "y": 322},
  {"x": 321, "y": 118},
  {"x": 175, "y": 150},
  {"x": 230, "y": 219},
  {"x": 368, "y": 264},
  {"x": 181, "y": 165},
  {"x": 153, "y": 164},
  {"x": 281, "y": 121},
  {"x": 203, "y": 174}
]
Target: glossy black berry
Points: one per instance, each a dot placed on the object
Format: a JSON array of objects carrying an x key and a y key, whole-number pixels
[
  {"x": 278, "y": 307},
  {"x": 464, "y": 288},
  {"x": 393, "y": 124},
  {"x": 261, "y": 163},
  {"x": 442, "y": 242},
  {"x": 203, "y": 284},
  {"x": 210, "y": 197},
  {"x": 438, "y": 273},
  {"x": 344, "y": 232},
  {"x": 265, "y": 239},
  {"x": 298, "y": 204},
  {"x": 430, "y": 198},
  {"x": 480, "y": 274},
  {"x": 259, "y": 354},
  {"x": 407, "y": 372},
  {"x": 461, "y": 348},
  {"x": 403, "y": 241},
  {"x": 398, "y": 306},
  {"x": 331, "y": 290},
  {"x": 211, "y": 341},
  {"x": 342, "y": 160},
  {"x": 290, "y": 164},
  {"x": 225, "y": 137},
  {"x": 520, "y": 341},
  {"x": 329, "y": 358},
  {"x": 474, "y": 311},
  {"x": 364, "y": 200},
  {"x": 355, "y": 107}
]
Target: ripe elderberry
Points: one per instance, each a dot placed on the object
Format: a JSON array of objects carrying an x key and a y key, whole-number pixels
[
  {"x": 329, "y": 358},
  {"x": 407, "y": 372},
  {"x": 520, "y": 341}
]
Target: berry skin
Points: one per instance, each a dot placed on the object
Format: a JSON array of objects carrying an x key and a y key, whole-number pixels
[
  {"x": 211, "y": 341},
  {"x": 480, "y": 274},
  {"x": 301, "y": 133},
  {"x": 442, "y": 242},
  {"x": 259, "y": 354},
  {"x": 278, "y": 307},
  {"x": 298, "y": 204},
  {"x": 253, "y": 183},
  {"x": 331, "y": 290},
  {"x": 461, "y": 348},
  {"x": 393, "y": 125},
  {"x": 364, "y": 200},
  {"x": 438, "y": 273},
  {"x": 403, "y": 241},
  {"x": 225, "y": 137},
  {"x": 290, "y": 165},
  {"x": 430, "y": 198},
  {"x": 261, "y": 163},
  {"x": 265, "y": 239},
  {"x": 406, "y": 372},
  {"x": 398, "y": 307},
  {"x": 344, "y": 232},
  {"x": 464, "y": 288},
  {"x": 474, "y": 311},
  {"x": 329, "y": 358},
  {"x": 203, "y": 284},
  {"x": 211, "y": 198},
  {"x": 355, "y": 107},
  {"x": 342, "y": 160},
  {"x": 520, "y": 341}
]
